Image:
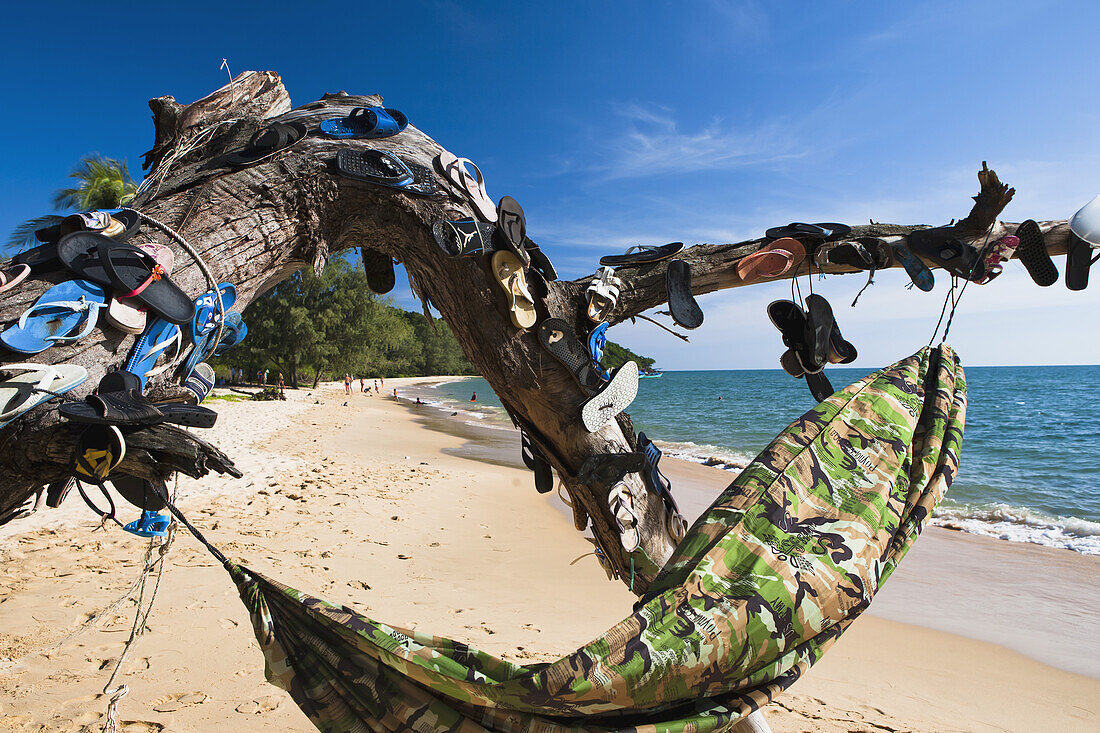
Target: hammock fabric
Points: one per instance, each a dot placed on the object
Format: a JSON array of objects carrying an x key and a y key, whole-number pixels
[{"x": 764, "y": 582}]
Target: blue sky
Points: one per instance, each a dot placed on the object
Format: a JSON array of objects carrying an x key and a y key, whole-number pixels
[{"x": 625, "y": 123}]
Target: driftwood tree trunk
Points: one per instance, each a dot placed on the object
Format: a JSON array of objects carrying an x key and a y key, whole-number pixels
[{"x": 255, "y": 226}]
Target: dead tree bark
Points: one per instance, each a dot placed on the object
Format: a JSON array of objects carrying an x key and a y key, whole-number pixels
[{"x": 255, "y": 226}]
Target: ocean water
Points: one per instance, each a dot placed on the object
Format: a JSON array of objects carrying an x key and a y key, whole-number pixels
[{"x": 1030, "y": 468}]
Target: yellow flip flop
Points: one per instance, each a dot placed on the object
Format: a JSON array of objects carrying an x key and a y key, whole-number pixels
[{"x": 508, "y": 271}]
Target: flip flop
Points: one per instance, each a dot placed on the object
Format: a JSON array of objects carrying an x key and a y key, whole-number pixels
[
  {"x": 789, "y": 318},
  {"x": 207, "y": 315},
  {"x": 1034, "y": 255},
  {"x": 941, "y": 247},
  {"x": 557, "y": 337},
  {"x": 820, "y": 387},
  {"x": 616, "y": 396},
  {"x": 128, "y": 316},
  {"x": 535, "y": 459},
  {"x": 33, "y": 384},
  {"x": 540, "y": 262},
  {"x": 819, "y": 329},
  {"x": 99, "y": 450},
  {"x": 89, "y": 221},
  {"x": 12, "y": 276},
  {"x": 201, "y": 381},
  {"x": 602, "y": 294},
  {"x": 508, "y": 271},
  {"x": 57, "y": 492},
  {"x": 464, "y": 238},
  {"x": 597, "y": 340},
  {"x": 798, "y": 230},
  {"x": 132, "y": 272},
  {"x": 660, "y": 485},
  {"x": 129, "y": 219},
  {"x": 1086, "y": 222},
  {"x": 681, "y": 302},
  {"x": 371, "y": 122},
  {"x": 846, "y": 254},
  {"x": 605, "y": 469},
  {"x": 454, "y": 169},
  {"x": 41, "y": 259},
  {"x": 621, "y": 504},
  {"x": 772, "y": 260},
  {"x": 1079, "y": 259},
  {"x": 386, "y": 169},
  {"x": 161, "y": 338},
  {"x": 64, "y": 314},
  {"x": 151, "y": 524},
  {"x": 642, "y": 254},
  {"x": 841, "y": 351},
  {"x": 381, "y": 277},
  {"x": 140, "y": 492},
  {"x": 512, "y": 228},
  {"x": 234, "y": 331},
  {"x": 113, "y": 408},
  {"x": 267, "y": 141},
  {"x": 997, "y": 253},
  {"x": 918, "y": 272}
]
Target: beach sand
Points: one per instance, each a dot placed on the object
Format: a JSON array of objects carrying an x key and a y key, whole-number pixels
[{"x": 385, "y": 507}]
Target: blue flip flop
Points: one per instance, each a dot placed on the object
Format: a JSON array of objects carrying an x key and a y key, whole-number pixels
[
  {"x": 597, "y": 340},
  {"x": 65, "y": 313},
  {"x": 161, "y": 337},
  {"x": 233, "y": 332},
  {"x": 918, "y": 272},
  {"x": 372, "y": 122},
  {"x": 206, "y": 310}
]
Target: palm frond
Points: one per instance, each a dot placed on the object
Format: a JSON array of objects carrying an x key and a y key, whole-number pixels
[
  {"x": 104, "y": 183},
  {"x": 22, "y": 237}
]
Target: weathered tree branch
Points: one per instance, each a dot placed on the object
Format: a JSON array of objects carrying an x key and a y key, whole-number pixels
[{"x": 255, "y": 226}]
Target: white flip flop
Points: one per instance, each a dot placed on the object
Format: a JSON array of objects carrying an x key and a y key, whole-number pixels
[
  {"x": 603, "y": 294},
  {"x": 454, "y": 169},
  {"x": 21, "y": 392},
  {"x": 615, "y": 397},
  {"x": 12, "y": 276},
  {"x": 621, "y": 503}
]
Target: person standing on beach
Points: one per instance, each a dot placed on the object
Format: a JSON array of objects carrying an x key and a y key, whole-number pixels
[
  {"x": 261, "y": 376},
  {"x": 347, "y": 383},
  {"x": 362, "y": 385},
  {"x": 281, "y": 395},
  {"x": 394, "y": 392}
]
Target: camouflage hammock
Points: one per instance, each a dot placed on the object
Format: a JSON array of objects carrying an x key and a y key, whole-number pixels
[{"x": 765, "y": 581}]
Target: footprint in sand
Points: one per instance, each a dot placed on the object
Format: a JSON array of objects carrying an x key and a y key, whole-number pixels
[
  {"x": 259, "y": 705},
  {"x": 179, "y": 700}
]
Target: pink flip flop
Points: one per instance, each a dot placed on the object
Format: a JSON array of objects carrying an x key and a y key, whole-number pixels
[
  {"x": 12, "y": 276},
  {"x": 773, "y": 260},
  {"x": 999, "y": 252}
]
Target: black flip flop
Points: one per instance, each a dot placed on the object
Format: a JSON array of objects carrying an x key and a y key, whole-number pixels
[
  {"x": 267, "y": 141},
  {"x": 1078, "y": 261},
  {"x": 681, "y": 303},
  {"x": 605, "y": 469},
  {"x": 129, "y": 219},
  {"x": 512, "y": 228},
  {"x": 820, "y": 387},
  {"x": 140, "y": 492},
  {"x": 557, "y": 337},
  {"x": 386, "y": 169},
  {"x": 540, "y": 262},
  {"x": 535, "y": 459},
  {"x": 789, "y": 318},
  {"x": 819, "y": 330},
  {"x": 113, "y": 408},
  {"x": 841, "y": 351},
  {"x": 129, "y": 271},
  {"x": 40, "y": 259},
  {"x": 643, "y": 256},
  {"x": 464, "y": 237},
  {"x": 823, "y": 231},
  {"x": 1033, "y": 253},
  {"x": 381, "y": 278},
  {"x": 192, "y": 416},
  {"x": 940, "y": 246},
  {"x": 57, "y": 492}
]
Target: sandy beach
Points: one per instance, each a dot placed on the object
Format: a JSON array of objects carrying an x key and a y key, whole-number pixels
[{"x": 429, "y": 523}]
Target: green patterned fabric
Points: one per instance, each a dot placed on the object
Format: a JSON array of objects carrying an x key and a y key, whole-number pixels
[{"x": 765, "y": 581}]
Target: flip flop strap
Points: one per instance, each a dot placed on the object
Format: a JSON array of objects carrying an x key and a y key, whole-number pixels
[
  {"x": 48, "y": 377},
  {"x": 177, "y": 339},
  {"x": 90, "y": 308},
  {"x": 477, "y": 178},
  {"x": 104, "y": 249}
]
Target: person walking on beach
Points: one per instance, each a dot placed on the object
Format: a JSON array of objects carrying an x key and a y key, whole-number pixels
[
  {"x": 395, "y": 393},
  {"x": 280, "y": 385},
  {"x": 362, "y": 385},
  {"x": 347, "y": 383},
  {"x": 376, "y": 385},
  {"x": 260, "y": 375}
]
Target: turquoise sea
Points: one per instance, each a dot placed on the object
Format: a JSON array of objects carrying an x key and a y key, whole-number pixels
[{"x": 1030, "y": 467}]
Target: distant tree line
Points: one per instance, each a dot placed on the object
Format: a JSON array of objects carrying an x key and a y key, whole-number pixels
[{"x": 313, "y": 328}]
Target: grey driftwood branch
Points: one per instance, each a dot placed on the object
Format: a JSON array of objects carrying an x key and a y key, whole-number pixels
[{"x": 255, "y": 226}]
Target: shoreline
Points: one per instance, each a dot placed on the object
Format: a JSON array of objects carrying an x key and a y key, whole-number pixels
[
  {"x": 996, "y": 520},
  {"x": 358, "y": 503}
]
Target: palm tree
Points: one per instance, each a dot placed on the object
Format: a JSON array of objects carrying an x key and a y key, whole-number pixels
[{"x": 104, "y": 183}]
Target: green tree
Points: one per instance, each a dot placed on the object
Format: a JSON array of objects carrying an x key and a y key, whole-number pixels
[
  {"x": 102, "y": 183},
  {"x": 614, "y": 356}
]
